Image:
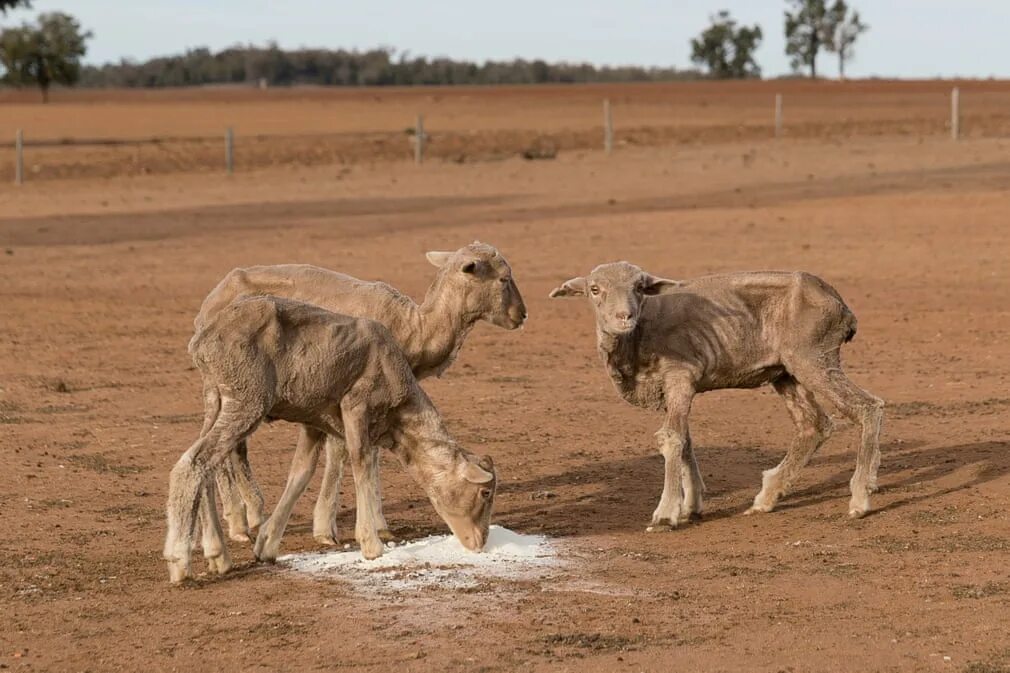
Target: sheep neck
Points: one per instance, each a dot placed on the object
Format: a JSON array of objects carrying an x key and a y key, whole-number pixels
[
  {"x": 421, "y": 442},
  {"x": 443, "y": 323},
  {"x": 620, "y": 355}
]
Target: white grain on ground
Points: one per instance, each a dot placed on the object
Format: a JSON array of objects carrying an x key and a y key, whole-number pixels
[{"x": 439, "y": 561}]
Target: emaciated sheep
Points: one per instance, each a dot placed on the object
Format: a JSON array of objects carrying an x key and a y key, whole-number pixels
[
  {"x": 472, "y": 284},
  {"x": 665, "y": 341},
  {"x": 265, "y": 358}
]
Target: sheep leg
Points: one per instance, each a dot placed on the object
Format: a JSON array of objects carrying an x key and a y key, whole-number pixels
[
  {"x": 303, "y": 465},
  {"x": 674, "y": 439},
  {"x": 692, "y": 483},
  {"x": 813, "y": 427},
  {"x": 828, "y": 380},
  {"x": 215, "y": 550},
  {"x": 232, "y": 502},
  {"x": 364, "y": 457},
  {"x": 189, "y": 477},
  {"x": 324, "y": 517},
  {"x": 247, "y": 486}
]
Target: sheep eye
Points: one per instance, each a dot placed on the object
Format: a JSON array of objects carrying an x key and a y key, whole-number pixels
[
  {"x": 504, "y": 279},
  {"x": 594, "y": 290},
  {"x": 485, "y": 494}
]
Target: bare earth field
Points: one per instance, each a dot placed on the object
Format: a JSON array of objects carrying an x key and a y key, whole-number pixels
[{"x": 101, "y": 278}]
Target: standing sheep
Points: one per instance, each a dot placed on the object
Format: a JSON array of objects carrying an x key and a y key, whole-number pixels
[
  {"x": 472, "y": 284},
  {"x": 265, "y": 358},
  {"x": 665, "y": 341}
]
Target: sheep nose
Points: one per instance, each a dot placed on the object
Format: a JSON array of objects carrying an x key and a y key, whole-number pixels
[{"x": 623, "y": 315}]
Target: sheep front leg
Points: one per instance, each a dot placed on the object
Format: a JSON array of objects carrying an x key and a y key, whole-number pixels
[
  {"x": 674, "y": 443},
  {"x": 364, "y": 457}
]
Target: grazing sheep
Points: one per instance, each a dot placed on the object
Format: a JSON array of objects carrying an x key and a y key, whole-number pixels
[
  {"x": 473, "y": 283},
  {"x": 664, "y": 341},
  {"x": 265, "y": 358}
]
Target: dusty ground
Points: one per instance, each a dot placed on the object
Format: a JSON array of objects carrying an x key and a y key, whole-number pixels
[{"x": 101, "y": 279}]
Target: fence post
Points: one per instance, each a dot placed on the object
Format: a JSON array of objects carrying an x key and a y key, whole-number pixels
[
  {"x": 955, "y": 113},
  {"x": 778, "y": 115},
  {"x": 419, "y": 140},
  {"x": 19, "y": 158},
  {"x": 229, "y": 150},
  {"x": 608, "y": 127}
]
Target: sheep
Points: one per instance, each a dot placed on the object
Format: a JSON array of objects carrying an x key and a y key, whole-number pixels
[
  {"x": 266, "y": 358},
  {"x": 473, "y": 283},
  {"x": 664, "y": 341}
]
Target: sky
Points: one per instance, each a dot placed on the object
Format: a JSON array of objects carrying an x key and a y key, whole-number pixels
[{"x": 907, "y": 38}]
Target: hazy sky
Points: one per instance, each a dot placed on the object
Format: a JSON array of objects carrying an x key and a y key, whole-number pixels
[{"x": 908, "y": 38}]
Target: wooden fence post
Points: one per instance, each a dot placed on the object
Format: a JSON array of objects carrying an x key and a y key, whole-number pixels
[
  {"x": 19, "y": 158},
  {"x": 419, "y": 140},
  {"x": 229, "y": 150},
  {"x": 955, "y": 113},
  {"x": 608, "y": 127},
  {"x": 778, "y": 115}
]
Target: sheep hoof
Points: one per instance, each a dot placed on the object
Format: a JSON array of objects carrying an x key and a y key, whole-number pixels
[
  {"x": 179, "y": 571},
  {"x": 857, "y": 513},
  {"x": 239, "y": 536},
  {"x": 758, "y": 509},
  {"x": 326, "y": 540},
  {"x": 661, "y": 527},
  {"x": 372, "y": 548},
  {"x": 219, "y": 564}
]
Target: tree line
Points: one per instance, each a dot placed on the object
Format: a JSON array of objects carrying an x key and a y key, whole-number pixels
[
  {"x": 49, "y": 51},
  {"x": 374, "y": 67}
]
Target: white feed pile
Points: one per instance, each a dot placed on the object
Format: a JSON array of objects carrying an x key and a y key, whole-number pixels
[{"x": 439, "y": 560}]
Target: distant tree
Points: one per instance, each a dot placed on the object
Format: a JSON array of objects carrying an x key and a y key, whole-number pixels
[
  {"x": 726, "y": 50},
  {"x": 809, "y": 28},
  {"x": 11, "y": 4},
  {"x": 46, "y": 53},
  {"x": 847, "y": 28}
]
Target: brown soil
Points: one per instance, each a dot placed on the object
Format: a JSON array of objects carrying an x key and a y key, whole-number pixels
[{"x": 101, "y": 279}]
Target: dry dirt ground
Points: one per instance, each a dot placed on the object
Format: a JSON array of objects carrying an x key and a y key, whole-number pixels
[{"x": 101, "y": 278}]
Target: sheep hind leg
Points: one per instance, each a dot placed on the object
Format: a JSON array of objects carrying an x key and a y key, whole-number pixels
[
  {"x": 303, "y": 465},
  {"x": 189, "y": 478},
  {"x": 324, "y": 516},
  {"x": 215, "y": 550},
  {"x": 813, "y": 427},
  {"x": 829, "y": 381},
  {"x": 232, "y": 502}
]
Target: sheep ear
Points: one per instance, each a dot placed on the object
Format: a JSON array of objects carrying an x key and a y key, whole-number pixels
[
  {"x": 475, "y": 474},
  {"x": 439, "y": 259},
  {"x": 653, "y": 286},
  {"x": 576, "y": 287}
]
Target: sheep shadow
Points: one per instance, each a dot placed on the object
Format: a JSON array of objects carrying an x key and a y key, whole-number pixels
[{"x": 607, "y": 497}]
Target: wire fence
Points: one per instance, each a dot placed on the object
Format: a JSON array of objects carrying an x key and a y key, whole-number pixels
[{"x": 228, "y": 151}]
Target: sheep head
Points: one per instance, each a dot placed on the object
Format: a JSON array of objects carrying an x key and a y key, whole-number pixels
[
  {"x": 463, "y": 496},
  {"x": 481, "y": 279},
  {"x": 617, "y": 292}
]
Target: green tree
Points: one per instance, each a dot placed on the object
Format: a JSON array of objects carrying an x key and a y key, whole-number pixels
[
  {"x": 847, "y": 28},
  {"x": 46, "y": 53},
  {"x": 809, "y": 28},
  {"x": 727, "y": 50}
]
